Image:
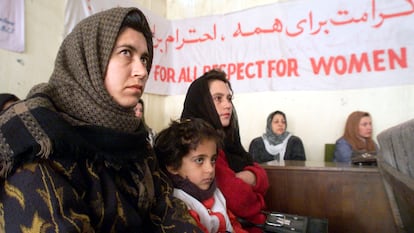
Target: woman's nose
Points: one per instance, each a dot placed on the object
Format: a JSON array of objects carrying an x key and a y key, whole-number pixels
[{"x": 139, "y": 69}]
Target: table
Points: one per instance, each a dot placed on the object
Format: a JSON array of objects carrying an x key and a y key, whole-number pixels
[{"x": 352, "y": 198}]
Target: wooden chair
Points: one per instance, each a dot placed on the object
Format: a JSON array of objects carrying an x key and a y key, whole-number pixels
[
  {"x": 329, "y": 152},
  {"x": 396, "y": 163}
]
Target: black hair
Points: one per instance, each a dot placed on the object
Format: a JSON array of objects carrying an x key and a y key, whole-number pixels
[
  {"x": 137, "y": 21},
  {"x": 176, "y": 141},
  {"x": 5, "y": 98}
]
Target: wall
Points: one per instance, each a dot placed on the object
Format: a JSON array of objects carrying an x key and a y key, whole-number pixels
[{"x": 318, "y": 117}]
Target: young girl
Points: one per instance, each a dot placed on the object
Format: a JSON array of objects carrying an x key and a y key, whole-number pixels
[{"x": 187, "y": 150}]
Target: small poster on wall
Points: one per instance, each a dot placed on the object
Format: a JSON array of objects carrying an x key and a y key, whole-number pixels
[{"x": 12, "y": 25}]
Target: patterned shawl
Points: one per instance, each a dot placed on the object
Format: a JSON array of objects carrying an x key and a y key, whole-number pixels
[{"x": 75, "y": 91}]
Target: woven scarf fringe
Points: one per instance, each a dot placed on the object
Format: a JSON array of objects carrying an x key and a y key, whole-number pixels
[
  {"x": 45, "y": 148},
  {"x": 5, "y": 169}
]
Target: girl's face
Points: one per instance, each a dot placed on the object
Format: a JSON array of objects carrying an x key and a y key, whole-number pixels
[
  {"x": 278, "y": 124},
  {"x": 365, "y": 127},
  {"x": 198, "y": 165},
  {"x": 126, "y": 73},
  {"x": 222, "y": 97}
]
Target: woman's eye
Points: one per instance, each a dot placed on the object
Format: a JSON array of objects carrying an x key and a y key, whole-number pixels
[
  {"x": 144, "y": 60},
  {"x": 125, "y": 52},
  {"x": 218, "y": 98}
]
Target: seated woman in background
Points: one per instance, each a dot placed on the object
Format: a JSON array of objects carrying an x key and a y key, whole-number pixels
[
  {"x": 357, "y": 138},
  {"x": 276, "y": 142},
  {"x": 139, "y": 113}
]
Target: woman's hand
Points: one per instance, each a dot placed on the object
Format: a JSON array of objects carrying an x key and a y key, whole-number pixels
[{"x": 247, "y": 176}]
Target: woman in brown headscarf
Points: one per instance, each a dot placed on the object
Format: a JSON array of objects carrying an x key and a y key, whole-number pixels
[
  {"x": 243, "y": 182},
  {"x": 74, "y": 158},
  {"x": 357, "y": 138}
]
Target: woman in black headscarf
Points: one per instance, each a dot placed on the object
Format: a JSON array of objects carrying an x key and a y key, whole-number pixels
[
  {"x": 73, "y": 156},
  {"x": 243, "y": 182}
]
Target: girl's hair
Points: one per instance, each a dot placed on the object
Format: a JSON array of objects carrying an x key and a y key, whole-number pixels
[
  {"x": 351, "y": 134},
  {"x": 176, "y": 141},
  {"x": 137, "y": 21}
]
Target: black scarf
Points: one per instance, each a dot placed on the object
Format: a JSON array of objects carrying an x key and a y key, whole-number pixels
[
  {"x": 43, "y": 133},
  {"x": 187, "y": 186}
]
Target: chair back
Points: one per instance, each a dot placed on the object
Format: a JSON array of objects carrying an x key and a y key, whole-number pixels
[{"x": 329, "y": 152}]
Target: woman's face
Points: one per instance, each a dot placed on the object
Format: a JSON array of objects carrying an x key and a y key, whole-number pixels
[
  {"x": 222, "y": 97},
  {"x": 126, "y": 73},
  {"x": 278, "y": 124},
  {"x": 365, "y": 127}
]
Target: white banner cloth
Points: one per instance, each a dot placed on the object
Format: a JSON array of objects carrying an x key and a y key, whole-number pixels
[{"x": 293, "y": 45}]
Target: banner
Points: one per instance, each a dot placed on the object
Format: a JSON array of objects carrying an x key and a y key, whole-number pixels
[
  {"x": 292, "y": 45},
  {"x": 12, "y": 25}
]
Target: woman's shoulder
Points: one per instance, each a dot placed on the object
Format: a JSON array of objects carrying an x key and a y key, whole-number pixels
[
  {"x": 256, "y": 140},
  {"x": 295, "y": 138},
  {"x": 341, "y": 141}
]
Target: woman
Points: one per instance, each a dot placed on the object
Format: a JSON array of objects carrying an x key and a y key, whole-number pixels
[
  {"x": 357, "y": 138},
  {"x": 139, "y": 112},
  {"x": 277, "y": 143},
  {"x": 243, "y": 182},
  {"x": 74, "y": 158}
]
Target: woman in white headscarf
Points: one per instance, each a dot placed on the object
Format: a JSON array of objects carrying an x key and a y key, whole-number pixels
[{"x": 277, "y": 143}]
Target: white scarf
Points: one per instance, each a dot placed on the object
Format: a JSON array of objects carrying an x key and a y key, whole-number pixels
[
  {"x": 278, "y": 149},
  {"x": 211, "y": 222}
]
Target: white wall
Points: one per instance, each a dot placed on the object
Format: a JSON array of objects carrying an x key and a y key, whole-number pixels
[{"x": 317, "y": 117}]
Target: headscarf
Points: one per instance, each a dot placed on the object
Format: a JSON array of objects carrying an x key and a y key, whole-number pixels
[
  {"x": 269, "y": 135},
  {"x": 199, "y": 103},
  {"x": 275, "y": 144},
  {"x": 76, "y": 88}
]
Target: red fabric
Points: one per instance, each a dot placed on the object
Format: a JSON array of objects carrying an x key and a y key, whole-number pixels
[
  {"x": 237, "y": 227},
  {"x": 222, "y": 222},
  {"x": 194, "y": 214},
  {"x": 242, "y": 199}
]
